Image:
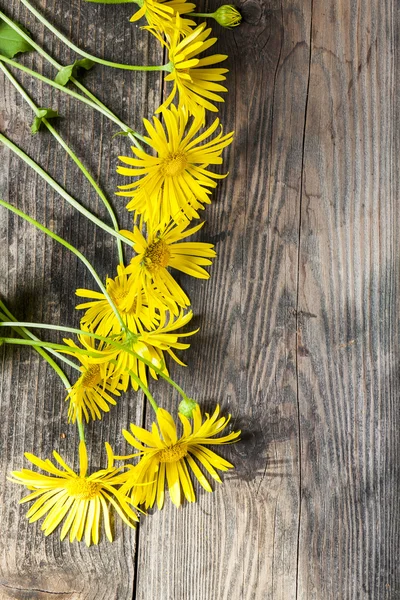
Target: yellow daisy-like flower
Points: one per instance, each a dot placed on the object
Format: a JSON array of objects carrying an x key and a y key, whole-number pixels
[
  {"x": 163, "y": 249},
  {"x": 160, "y": 14},
  {"x": 90, "y": 394},
  {"x": 165, "y": 457},
  {"x": 81, "y": 499},
  {"x": 175, "y": 183},
  {"x": 101, "y": 318},
  {"x": 193, "y": 79},
  {"x": 150, "y": 345}
]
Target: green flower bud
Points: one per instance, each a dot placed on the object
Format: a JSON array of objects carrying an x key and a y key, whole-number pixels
[
  {"x": 227, "y": 16},
  {"x": 187, "y": 406}
]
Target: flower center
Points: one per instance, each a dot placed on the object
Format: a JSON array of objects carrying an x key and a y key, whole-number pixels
[
  {"x": 91, "y": 377},
  {"x": 83, "y": 489},
  {"x": 174, "y": 164},
  {"x": 157, "y": 255},
  {"x": 172, "y": 454}
]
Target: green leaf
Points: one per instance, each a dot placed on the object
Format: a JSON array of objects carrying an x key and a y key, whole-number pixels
[
  {"x": 43, "y": 113},
  {"x": 65, "y": 74},
  {"x": 11, "y": 42},
  {"x": 122, "y": 132}
]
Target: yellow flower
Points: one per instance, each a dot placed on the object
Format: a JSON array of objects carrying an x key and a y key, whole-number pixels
[
  {"x": 89, "y": 394},
  {"x": 101, "y": 318},
  {"x": 160, "y": 14},
  {"x": 165, "y": 457},
  {"x": 149, "y": 345},
  {"x": 163, "y": 249},
  {"x": 80, "y": 499},
  {"x": 175, "y": 183},
  {"x": 192, "y": 77}
]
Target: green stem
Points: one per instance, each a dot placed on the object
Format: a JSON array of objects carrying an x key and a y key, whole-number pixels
[
  {"x": 61, "y": 191},
  {"x": 71, "y": 154},
  {"x": 25, "y": 333},
  {"x": 40, "y": 350},
  {"x": 86, "y": 54},
  {"x": 163, "y": 375},
  {"x": 44, "y": 355},
  {"x": 131, "y": 134},
  {"x": 81, "y": 429},
  {"x": 60, "y": 328},
  {"x": 145, "y": 390},
  {"x": 95, "y": 186},
  {"x": 72, "y": 249},
  {"x": 206, "y": 15},
  {"x": 47, "y": 345},
  {"x": 28, "y": 334},
  {"x": 57, "y": 86}
]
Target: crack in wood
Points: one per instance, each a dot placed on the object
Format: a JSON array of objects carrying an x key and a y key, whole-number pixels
[{"x": 20, "y": 589}]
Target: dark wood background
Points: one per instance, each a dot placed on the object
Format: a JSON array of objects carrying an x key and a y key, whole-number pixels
[{"x": 299, "y": 323}]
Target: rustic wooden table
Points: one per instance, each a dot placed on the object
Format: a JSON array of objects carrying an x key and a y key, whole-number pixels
[{"x": 299, "y": 323}]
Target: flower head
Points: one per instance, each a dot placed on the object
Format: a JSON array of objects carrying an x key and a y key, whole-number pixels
[
  {"x": 193, "y": 78},
  {"x": 163, "y": 249},
  {"x": 160, "y": 14},
  {"x": 78, "y": 499},
  {"x": 175, "y": 183},
  {"x": 90, "y": 394},
  {"x": 101, "y": 318},
  {"x": 227, "y": 16},
  {"x": 165, "y": 457}
]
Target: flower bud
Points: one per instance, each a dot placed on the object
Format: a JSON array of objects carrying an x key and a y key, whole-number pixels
[
  {"x": 227, "y": 16},
  {"x": 187, "y": 406}
]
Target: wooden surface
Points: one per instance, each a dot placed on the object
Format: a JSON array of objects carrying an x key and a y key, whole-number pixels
[{"x": 299, "y": 322}]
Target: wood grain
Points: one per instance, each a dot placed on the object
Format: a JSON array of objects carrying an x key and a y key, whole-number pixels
[
  {"x": 40, "y": 281},
  {"x": 298, "y": 324}
]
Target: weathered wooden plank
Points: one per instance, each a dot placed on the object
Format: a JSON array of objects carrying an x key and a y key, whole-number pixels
[
  {"x": 39, "y": 279},
  {"x": 347, "y": 320},
  {"x": 241, "y": 542}
]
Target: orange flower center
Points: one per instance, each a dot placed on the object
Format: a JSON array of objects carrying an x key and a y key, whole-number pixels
[
  {"x": 174, "y": 164},
  {"x": 173, "y": 454},
  {"x": 83, "y": 489},
  {"x": 157, "y": 255},
  {"x": 91, "y": 377}
]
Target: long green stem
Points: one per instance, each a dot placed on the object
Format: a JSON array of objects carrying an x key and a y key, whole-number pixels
[
  {"x": 161, "y": 374},
  {"x": 71, "y": 154},
  {"x": 73, "y": 250},
  {"x": 61, "y": 191},
  {"x": 95, "y": 186},
  {"x": 60, "y": 328},
  {"x": 47, "y": 345},
  {"x": 43, "y": 354},
  {"x": 131, "y": 134},
  {"x": 145, "y": 390},
  {"x": 81, "y": 429},
  {"x": 86, "y": 54},
  {"x": 27, "y": 335},
  {"x": 57, "y": 86},
  {"x": 40, "y": 350}
]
